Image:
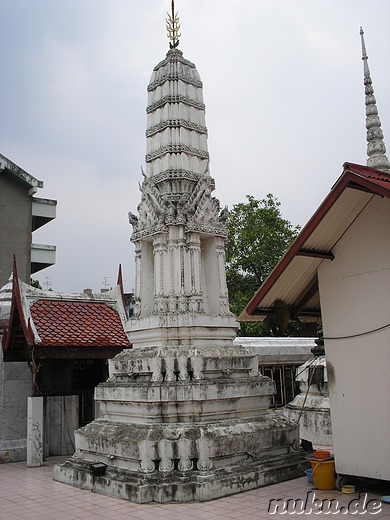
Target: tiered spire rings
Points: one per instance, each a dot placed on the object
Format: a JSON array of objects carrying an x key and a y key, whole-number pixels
[{"x": 376, "y": 149}]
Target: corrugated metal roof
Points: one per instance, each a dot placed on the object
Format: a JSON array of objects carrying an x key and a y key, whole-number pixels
[{"x": 294, "y": 278}]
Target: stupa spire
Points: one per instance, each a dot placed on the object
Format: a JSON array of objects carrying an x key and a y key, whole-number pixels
[
  {"x": 180, "y": 231},
  {"x": 173, "y": 27},
  {"x": 376, "y": 149}
]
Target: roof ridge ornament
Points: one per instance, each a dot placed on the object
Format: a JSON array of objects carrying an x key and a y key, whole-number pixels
[
  {"x": 376, "y": 149},
  {"x": 173, "y": 27}
]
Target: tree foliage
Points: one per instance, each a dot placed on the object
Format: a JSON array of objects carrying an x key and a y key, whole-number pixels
[
  {"x": 257, "y": 238},
  {"x": 35, "y": 283}
]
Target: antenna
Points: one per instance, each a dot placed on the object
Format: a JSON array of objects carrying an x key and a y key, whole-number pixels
[{"x": 106, "y": 281}]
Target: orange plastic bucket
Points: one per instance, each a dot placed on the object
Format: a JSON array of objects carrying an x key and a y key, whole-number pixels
[{"x": 323, "y": 474}]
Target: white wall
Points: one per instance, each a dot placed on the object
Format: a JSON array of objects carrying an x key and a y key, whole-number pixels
[
  {"x": 355, "y": 298},
  {"x": 15, "y": 387}
]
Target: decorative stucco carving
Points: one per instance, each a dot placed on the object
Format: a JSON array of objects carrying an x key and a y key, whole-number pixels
[
  {"x": 175, "y": 99},
  {"x": 175, "y": 76},
  {"x": 176, "y": 148},
  {"x": 175, "y": 123},
  {"x": 180, "y": 175},
  {"x": 176, "y": 56},
  {"x": 162, "y": 204}
]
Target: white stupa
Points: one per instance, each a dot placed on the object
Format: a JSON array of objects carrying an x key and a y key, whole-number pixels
[
  {"x": 181, "y": 294},
  {"x": 185, "y": 412}
]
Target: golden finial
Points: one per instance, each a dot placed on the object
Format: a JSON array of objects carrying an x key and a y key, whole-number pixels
[{"x": 173, "y": 27}]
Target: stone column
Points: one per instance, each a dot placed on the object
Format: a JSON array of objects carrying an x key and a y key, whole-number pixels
[
  {"x": 34, "y": 432},
  {"x": 160, "y": 263},
  {"x": 223, "y": 290},
  {"x": 195, "y": 278},
  {"x": 146, "y": 282},
  {"x": 176, "y": 272},
  {"x": 137, "y": 290}
]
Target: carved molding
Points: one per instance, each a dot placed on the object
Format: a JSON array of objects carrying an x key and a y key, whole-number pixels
[
  {"x": 219, "y": 231},
  {"x": 208, "y": 230},
  {"x": 168, "y": 175},
  {"x": 175, "y": 123},
  {"x": 176, "y": 148},
  {"x": 175, "y": 76},
  {"x": 182, "y": 304},
  {"x": 174, "y": 55},
  {"x": 150, "y": 231},
  {"x": 175, "y": 99}
]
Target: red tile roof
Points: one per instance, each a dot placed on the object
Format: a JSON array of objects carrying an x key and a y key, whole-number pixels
[{"x": 73, "y": 323}]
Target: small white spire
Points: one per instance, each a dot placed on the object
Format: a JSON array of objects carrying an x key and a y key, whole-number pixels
[
  {"x": 376, "y": 149},
  {"x": 364, "y": 54}
]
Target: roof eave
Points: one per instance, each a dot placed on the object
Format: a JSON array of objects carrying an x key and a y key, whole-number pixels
[
  {"x": 351, "y": 177},
  {"x": 21, "y": 175}
]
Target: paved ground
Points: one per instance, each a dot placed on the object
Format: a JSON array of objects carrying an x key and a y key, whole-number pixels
[{"x": 27, "y": 493}]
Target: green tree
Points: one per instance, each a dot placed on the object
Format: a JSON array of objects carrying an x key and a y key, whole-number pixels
[
  {"x": 35, "y": 283},
  {"x": 257, "y": 238}
]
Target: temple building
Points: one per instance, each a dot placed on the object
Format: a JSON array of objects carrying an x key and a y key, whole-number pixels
[{"x": 55, "y": 348}]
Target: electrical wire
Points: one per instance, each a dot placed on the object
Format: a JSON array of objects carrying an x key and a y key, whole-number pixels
[
  {"x": 304, "y": 401},
  {"x": 6, "y": 268},
  {"x": 307, "y": 366},
  {"x": 357, "y": 335}
]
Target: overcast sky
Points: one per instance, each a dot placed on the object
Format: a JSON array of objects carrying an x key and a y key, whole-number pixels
[{"x": 284, "y": 95}]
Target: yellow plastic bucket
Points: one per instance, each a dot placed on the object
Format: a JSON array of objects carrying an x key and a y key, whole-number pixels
[{"x": 323, "y": 474}]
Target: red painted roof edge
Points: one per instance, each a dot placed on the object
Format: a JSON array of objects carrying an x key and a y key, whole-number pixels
[
  {"x": 369, "y": 178},
  {"x": 120, "y": 283},
  {"x": 16, "y": 306},
  {"x": 352, "y": 173},
  {"x": 365, "y": 170}
]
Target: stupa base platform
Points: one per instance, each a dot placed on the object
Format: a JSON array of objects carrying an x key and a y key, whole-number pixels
[
  {"x": 184, "y": 424},
  {"x": 183, "y": 462},
  {"x": 178, "y": 486}
]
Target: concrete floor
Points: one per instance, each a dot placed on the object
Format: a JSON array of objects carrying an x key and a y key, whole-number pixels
[{"x": 31, "y": 493}]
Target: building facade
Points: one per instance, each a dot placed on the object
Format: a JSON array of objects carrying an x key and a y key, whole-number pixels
[{"x": 20, "y": 215}]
